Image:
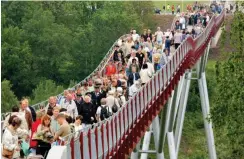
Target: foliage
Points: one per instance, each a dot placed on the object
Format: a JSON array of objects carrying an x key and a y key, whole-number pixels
[
  {"x": 44, "y": 90},
  {"x": 228, "y": 111},
  {"x": 8, "y": 98},
  {"x": 61, "y": 41}
]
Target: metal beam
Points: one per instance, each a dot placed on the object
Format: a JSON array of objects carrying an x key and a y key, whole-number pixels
[
  {"x": 206, "y": 116},
  {"x": 171, "y": 145},
  {"x": 146, "y": 143},
  {"x": 182, "y": 109}
]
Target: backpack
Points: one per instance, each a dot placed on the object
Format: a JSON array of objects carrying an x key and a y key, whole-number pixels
[{"x": 104, "y": 113}]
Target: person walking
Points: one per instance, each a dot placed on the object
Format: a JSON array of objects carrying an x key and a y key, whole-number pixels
[
  {"x": 173, "y": 9},
  {"x": 10, "y": 143}
]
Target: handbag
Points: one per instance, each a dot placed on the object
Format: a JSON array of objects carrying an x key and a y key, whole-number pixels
[{"x": 7, "y": 153}]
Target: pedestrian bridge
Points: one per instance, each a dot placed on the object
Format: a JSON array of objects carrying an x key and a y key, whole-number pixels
[{"x": 118, "y": 136}]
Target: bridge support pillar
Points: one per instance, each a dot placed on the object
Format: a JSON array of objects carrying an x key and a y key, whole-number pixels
[
  {"x": 206, "y": 116},
  {"x": 135, "y": 154},
  {"x": 182, "y": 109},
  {"x": 203, "y": 89}
]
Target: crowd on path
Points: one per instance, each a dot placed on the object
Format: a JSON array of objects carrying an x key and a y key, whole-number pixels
[
  {"x": 190, "y": 8},
  {"x": 134, "y": 62}
]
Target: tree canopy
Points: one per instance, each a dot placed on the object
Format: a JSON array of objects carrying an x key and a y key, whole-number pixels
[
  {"x": 61, "y": 41},
  {"x": 228, "y": 109}
]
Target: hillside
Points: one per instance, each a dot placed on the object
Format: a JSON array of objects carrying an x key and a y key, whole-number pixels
[{"x": 164, "y": 21}]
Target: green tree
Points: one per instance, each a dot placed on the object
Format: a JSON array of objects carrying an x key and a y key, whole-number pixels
[
  {"x": 228, "y": 110},
  {"x": 44, "y": 90},
  {"x": 17, "y": 61},
  {"x": 8, "y": 98},
  {"x": 61, "y": 41}
]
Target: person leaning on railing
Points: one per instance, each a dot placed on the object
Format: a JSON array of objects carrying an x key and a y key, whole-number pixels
[{"x": 64, "y": 129}]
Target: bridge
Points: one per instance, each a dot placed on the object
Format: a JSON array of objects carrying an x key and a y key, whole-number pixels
[{"x": 120, "y": 135}]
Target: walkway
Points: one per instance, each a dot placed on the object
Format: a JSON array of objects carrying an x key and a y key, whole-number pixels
[{"x": 117, "y": 136}]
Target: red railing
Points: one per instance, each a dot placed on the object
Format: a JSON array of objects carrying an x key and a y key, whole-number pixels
[{"x": 117, "y": 136}]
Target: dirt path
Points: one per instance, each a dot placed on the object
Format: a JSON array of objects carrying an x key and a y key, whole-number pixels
[{"x": 164, "y": 21}]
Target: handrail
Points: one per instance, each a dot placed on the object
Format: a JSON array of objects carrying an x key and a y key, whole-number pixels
[{"x": 142, "y": 105}]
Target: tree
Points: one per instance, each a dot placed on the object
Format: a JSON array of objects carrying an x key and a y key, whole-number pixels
[
  {"x": 60, "y": 41},
  {"x": 228, "y": 110},
  {"x": 44, "y": 90},
  {"x": 8, "y": 98},
  {"x": 17, "y": 61}
]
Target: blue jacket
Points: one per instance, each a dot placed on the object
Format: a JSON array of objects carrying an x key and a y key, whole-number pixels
[{"x": 131, "y": 78}]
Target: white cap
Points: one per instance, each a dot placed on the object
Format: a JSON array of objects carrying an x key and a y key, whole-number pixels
[{"x": 119, "y": 89}]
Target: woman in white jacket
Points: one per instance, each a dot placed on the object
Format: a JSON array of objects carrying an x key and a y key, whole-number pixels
[
  {"x": 10, "y": 145},
  {"x": 145, "y": 74}
]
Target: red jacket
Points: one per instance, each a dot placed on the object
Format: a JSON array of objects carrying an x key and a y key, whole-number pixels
[
  {"x": 34, "y": 127},
  {"x": 110, "y": 70}
]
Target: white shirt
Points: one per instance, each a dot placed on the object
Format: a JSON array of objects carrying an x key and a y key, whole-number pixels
[
  {"x": 111, "y": 100},
  {"x": 150, "y": 67},
  {"x": 100, "y": 108},
  {"x": 130, "y": 61},
  {"x": 128, "y": 47},
  {"x": 119, "y": 42},
  {"x": 135, "y": 37},
  {"x": 145, "y": 75},
  {"x": 71, "y": 108},
  {"x": 77, "y": 128},
  {"x": 168, "y": 34},
  {"x": 159, "y": 35},
  {"x": 177, "y": 38},
  {"x": 133, "y": 90},
  {"x": 24, "y": 124},
  {"x": 122, "y": 99},
  {"x": 182, "y": 20},
  {"x": 10, "y": 142},
  {"x": 207, "y": 18}
]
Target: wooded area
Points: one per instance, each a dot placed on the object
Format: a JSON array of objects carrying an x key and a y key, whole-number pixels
[{"x": 62, "y": 41}]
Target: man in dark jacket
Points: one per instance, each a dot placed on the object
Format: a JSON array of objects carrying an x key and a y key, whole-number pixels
[
  {"x": 97, "y": 95},
  {"x": 116, "y": 51},
  {"x": 88, "y": 111}
]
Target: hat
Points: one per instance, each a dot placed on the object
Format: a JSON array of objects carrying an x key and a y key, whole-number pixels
[
  {"x": 96, "y": 86},
  {"x": 119, "y": 89},
  {"x": 98, "y": 82}
]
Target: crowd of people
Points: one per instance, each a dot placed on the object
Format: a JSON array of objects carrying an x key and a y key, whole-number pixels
[
  {"x": 134, "y": 62},
  {"x": 177, "y": 8}
]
